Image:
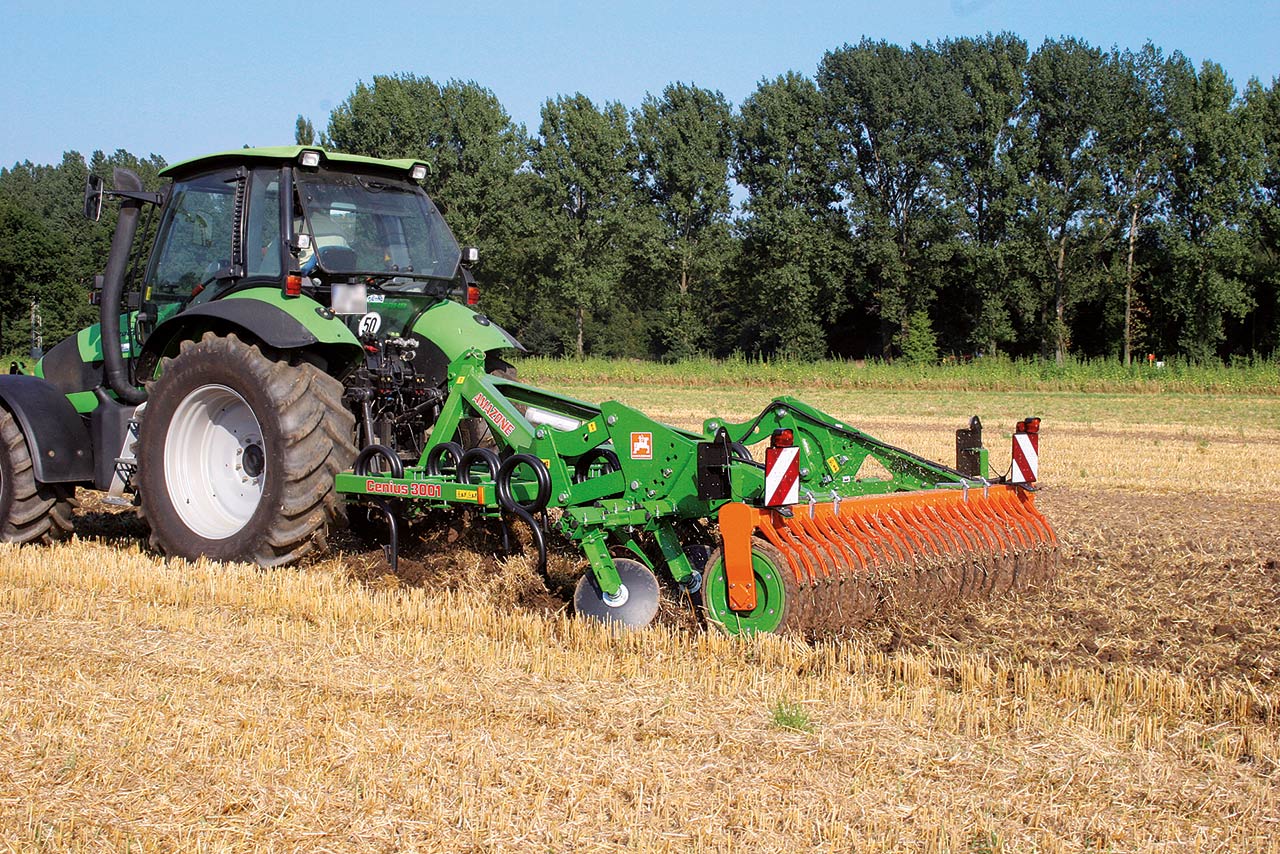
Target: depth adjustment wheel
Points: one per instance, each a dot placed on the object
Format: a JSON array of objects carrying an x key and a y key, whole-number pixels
[
  {"x": 779, "y": 600},
  {"x": 237, "y": 454}
]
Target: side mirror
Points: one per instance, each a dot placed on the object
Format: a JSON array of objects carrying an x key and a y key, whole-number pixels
[{"x": 93, "y": 198}]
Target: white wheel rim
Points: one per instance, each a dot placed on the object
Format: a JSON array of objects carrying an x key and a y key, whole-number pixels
[{"x": 214, "y": 462}]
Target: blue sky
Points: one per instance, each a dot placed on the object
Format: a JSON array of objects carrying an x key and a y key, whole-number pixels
[{"x": 181, "y": 79}]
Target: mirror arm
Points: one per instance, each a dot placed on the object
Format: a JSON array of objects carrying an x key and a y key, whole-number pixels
[{"x": 146, "y": 198}]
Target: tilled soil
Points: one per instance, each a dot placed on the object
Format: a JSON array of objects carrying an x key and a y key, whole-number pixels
[{"x": 1184, "y": 583}]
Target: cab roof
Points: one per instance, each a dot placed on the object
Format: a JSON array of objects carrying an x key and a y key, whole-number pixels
[{"x": 281, "y": 154}]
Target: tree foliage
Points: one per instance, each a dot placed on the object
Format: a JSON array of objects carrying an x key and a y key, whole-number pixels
[
  {"x": 49, "y": 253},
  {"x": 888, "y": 111},
  {"x": 585, "y": 163},
  {"x": 959, "y": 197},
  {"x": 788, "y": 289},
  {"x": 684, "y": 141}
]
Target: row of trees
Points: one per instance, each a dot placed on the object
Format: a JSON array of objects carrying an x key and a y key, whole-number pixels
[
  {"x": 962, "y": 196},
  {"x": 49, "y": 253}
]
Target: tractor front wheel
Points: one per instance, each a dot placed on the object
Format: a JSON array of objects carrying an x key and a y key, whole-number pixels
[
  {"x": 29, "y": 511},
  {"x": 237, "y": 454}
]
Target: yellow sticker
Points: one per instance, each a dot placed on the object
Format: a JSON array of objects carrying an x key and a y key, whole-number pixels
[
  {"x": 833, "y": 465},
  {"x": 461, "y": 380},
  {"x": 467, "y": 495},
  {"x": 592, "y": 426},
  {"x": 547, "y": 463}
]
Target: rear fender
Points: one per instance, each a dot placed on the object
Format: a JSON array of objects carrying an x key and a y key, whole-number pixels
[
  {"x": 266, "y": 315},
  {"x": 61, "y": 449}
]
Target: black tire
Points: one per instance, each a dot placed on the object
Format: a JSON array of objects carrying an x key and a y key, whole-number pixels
[
  {"x": 30, "y": 512},
  {"x": 286, "y": 501}
]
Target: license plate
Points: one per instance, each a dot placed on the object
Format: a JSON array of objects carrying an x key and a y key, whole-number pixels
[{"x": 349, "y": 299}]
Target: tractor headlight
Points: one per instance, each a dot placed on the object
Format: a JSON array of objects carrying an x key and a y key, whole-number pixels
[
  {"x": 418, "y": 172},
  {"x": 309, "y": 158}
]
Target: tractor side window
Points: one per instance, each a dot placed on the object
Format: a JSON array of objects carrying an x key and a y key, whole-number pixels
[
  {"x": 195, "y": 236},
  {"x": 262, "y": 230}
]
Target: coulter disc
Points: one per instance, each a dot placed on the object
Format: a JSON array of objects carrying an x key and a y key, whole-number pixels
[{"x": 635, "y": 605}]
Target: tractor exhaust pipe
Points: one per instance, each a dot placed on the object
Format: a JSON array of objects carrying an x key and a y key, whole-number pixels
[{"x": 116, "y": 374}]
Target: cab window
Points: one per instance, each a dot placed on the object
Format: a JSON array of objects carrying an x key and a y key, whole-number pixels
[
  {"x": 262, "y": 228},
  {"x": 195, "y": 236}
]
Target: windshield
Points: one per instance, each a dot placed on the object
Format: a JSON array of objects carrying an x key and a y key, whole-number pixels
[{"x": 376, "y": 226}]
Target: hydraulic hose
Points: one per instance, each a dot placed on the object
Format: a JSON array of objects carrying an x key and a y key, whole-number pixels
[{"x": 115, "y": 371}]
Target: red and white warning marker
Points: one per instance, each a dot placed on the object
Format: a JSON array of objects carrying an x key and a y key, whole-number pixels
[
  {"x": 781, "y": 471},
  {"x": 1026, "y": 451}
]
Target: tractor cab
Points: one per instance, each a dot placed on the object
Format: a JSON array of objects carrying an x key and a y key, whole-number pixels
[
  {"x": 293, "y": 248},
  {"x": 334, "y": 228}
]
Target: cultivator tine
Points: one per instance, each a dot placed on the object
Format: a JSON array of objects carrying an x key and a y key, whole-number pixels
[{"x": 856, "y": 559}]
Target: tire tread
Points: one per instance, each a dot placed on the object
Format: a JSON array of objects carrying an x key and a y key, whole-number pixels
[{"x": 317, "y": 433}]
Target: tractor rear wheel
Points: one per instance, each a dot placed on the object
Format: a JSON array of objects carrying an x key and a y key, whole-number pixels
[
  {"x": 237, "y": 454},
  {"x": 29, "y": 511}
]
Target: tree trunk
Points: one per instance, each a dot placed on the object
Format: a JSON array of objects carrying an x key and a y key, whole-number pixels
[
  {"x": 886, "y": 338},
  {"x": 1059, "y": 301},
  {"x": 581, "y": 317},
  {"x": 1128, "y": 288}
]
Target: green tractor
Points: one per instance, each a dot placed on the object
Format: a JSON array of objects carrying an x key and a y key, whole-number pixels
[{"x": 296, "y": 306}]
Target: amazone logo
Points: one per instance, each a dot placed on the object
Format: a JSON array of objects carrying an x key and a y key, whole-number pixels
[{"x": 499, "y": 420}]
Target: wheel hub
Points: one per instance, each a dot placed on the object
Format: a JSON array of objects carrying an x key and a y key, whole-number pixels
[
  {"x": 616, "y": 600},
  {"x": 255, "y": 461}
]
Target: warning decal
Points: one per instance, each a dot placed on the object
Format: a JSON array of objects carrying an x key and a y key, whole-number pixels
[
  {"x": 1026, "y": 458},
  {"x": 781, "y": 476}
]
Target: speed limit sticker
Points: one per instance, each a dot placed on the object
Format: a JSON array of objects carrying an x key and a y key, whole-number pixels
[{"x": 370, "y": 324}]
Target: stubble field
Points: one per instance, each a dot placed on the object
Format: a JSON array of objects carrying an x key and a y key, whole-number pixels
[{"x": 157, "y": 705}]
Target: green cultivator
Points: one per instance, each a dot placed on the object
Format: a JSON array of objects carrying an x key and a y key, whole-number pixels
[{"x": 804, "y": 544}]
